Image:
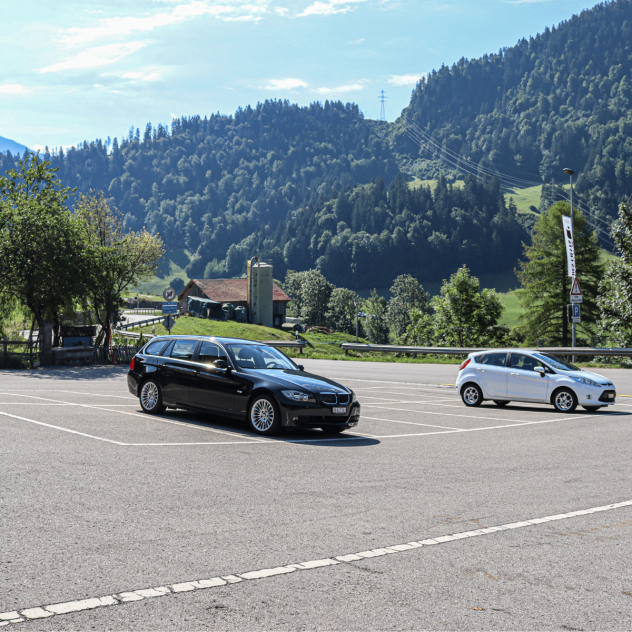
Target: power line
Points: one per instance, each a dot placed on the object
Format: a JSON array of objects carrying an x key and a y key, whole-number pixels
[{"x": 451, "y": 159}]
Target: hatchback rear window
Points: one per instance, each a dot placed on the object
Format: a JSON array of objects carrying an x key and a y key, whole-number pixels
[{"x": 493, "y": 359}]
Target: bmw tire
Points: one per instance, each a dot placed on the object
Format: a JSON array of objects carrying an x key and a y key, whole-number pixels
[
  {"x": 501, "y": 402},
  {"x": 592, "y": 409},
  {"x": 151, "y": 398},
  {"x": 472, "y": 395},
  {"x": 264, "y": 417},
  {"x": 564, "y": 400}
]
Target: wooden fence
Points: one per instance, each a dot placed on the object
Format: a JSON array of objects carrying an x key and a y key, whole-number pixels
[{"x": 24, "y": 349}]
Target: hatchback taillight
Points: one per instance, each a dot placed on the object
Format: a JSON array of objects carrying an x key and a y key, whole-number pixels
[
  {"x": 465, "y": 364},
  {"x": 132, "y": 364}
]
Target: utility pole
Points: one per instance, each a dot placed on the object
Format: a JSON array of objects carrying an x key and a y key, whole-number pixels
[{"x": 382, "y": 99}]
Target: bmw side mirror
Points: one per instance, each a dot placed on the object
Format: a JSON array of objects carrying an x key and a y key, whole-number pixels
[
  {"x": 221, "y": 364},
  {"x": 301, "y": 367},
  {"x": 541, "y": 370}
]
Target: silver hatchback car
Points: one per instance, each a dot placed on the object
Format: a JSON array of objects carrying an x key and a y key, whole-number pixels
[{"x": 522, "y": 375}]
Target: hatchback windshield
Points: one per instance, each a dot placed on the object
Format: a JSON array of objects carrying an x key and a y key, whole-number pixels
[
  {"x": 557, "y": 363},
  {"x": 259, "y": 357}
]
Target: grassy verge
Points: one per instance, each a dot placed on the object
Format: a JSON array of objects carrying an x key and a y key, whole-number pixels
[{"x": 319, "y": 345}]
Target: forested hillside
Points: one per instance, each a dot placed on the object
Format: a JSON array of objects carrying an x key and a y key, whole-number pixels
[
  {"x": 318, "y": 186},
  {"x": 561, "y": 99}
]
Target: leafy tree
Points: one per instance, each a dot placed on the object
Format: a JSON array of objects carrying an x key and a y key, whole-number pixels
[
  {"x": 341, "y": 310},
  {"x": 120, "y": 259},
  {"x": 407, "y": 294},
  {"x": 421, "y": 330},
  {"x": 310, "y": 293},
  {"x": 547, "y": 286},
  {"x": 375, "y": 323},
  {"x": 43, "y": 257},
  {"x": 465, "y": 316},
  {"x": 615, "y": 290}
]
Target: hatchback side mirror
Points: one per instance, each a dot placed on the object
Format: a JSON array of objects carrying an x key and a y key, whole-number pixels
[
  {"x": 541, "y": 370},
  {"x": 221, "y": 364}
]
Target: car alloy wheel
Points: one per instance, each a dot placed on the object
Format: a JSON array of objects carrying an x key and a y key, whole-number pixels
[
  {"x": 151, "y": 398},
  {"x": 472, "y": 395},
  {"x": 565, "y": 401},
  {"x": 264, "y": 417}
]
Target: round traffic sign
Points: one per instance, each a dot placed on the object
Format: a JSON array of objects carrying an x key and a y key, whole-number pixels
[{"x": 169, "y": 294}]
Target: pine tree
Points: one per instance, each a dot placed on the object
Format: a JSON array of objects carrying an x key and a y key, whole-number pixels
[{"x": 547, "y": 286}]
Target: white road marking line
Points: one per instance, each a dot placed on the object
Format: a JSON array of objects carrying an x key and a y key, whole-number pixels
[
  {"x": 29, "y": 404},
  {"x": 149, "y": 418},
  {"x": 516, "y": 425},
  {"x": 82, "y": 434},
  {"x": 58, "y": 609},
  {"x": 411, "y": 423},
  {"x": 432, "y": 412}
]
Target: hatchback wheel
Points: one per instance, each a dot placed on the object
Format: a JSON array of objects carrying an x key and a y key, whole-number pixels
[
  {"x": 472, "y": 395},
  {"x": 151, "y": 398},
  {"x": 564, "y": 400},
  {"x": 263, "y": 416}
]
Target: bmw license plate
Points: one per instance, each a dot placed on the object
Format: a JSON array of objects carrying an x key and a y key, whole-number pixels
[{"x": 339, "y": 411}]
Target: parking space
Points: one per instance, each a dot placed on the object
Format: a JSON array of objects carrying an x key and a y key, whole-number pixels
[{"x": 389, "y": 411}]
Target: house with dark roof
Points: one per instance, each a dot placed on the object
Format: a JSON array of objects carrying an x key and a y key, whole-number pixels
[{"x": 234, "y": 291}]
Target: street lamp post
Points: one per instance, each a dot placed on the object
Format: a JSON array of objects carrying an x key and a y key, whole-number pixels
[{"x": 570, "y": 173}]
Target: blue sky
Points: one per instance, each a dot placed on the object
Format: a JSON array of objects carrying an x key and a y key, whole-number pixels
[{"x": 75, "y": 70}]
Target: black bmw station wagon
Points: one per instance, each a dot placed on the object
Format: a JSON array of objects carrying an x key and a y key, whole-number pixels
[{"x": 238, "y": 378}]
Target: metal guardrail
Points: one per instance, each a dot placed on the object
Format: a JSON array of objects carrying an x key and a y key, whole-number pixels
[
  {"x": 463, "y": 351},
  {"x": 149, "y": 321}
]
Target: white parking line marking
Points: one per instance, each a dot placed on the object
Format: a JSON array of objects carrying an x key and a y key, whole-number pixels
[
  {"x": 106, "y": 601},
  {"x": 412, "y": 423},
  {"x": 516, "y": 425},
  {"x": 149, "y": 418},
  {"x": 82, "y": 434}
]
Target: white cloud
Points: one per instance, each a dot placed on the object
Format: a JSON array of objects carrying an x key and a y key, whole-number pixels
[
  {"x": 148, "y": 73},
  {"x": 123, "y": 26},
  {"x": 330, "y": 7},
  {"x": 96, "y": 57},
  {"x": 359, "y": 41},
  {"x": 405, "y": 80},
  {"x": 13, "y": 88},
  {"x": 285, "y": 84},
  {"x": 351, "y": 87},
  {"x": 281, "y": 10},
  {"x": 244, "y": 18}
]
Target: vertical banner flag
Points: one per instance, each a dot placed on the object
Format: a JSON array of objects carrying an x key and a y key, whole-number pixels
[{"x": 570, "y": 245}]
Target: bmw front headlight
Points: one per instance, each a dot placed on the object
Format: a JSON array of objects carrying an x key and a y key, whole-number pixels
[
  {"x": 585, "y": 380},
  {"x": 297, "y": 396}
]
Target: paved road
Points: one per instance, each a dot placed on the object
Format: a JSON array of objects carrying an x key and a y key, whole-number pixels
[{"x": 99, "y": 501}]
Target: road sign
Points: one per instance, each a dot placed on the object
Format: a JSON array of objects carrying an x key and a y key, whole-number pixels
[
  {"x": 577, "y": 315},
  {"x": 170, "y": 308},
  {"x": 576, "y": 292},
  {"x": 169, "y": 322},
  {"x": 169, "y": 294}
]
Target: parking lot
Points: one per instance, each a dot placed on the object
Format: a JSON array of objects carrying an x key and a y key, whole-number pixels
[{"x": 427, "y": 515}]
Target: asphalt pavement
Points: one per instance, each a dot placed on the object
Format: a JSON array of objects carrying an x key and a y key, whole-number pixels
[{"x": 430, "y": 516}]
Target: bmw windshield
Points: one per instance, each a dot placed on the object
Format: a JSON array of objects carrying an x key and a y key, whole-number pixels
[
  {"x": 247, "y": 356},
  {"x": 557, "y": 363}
]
